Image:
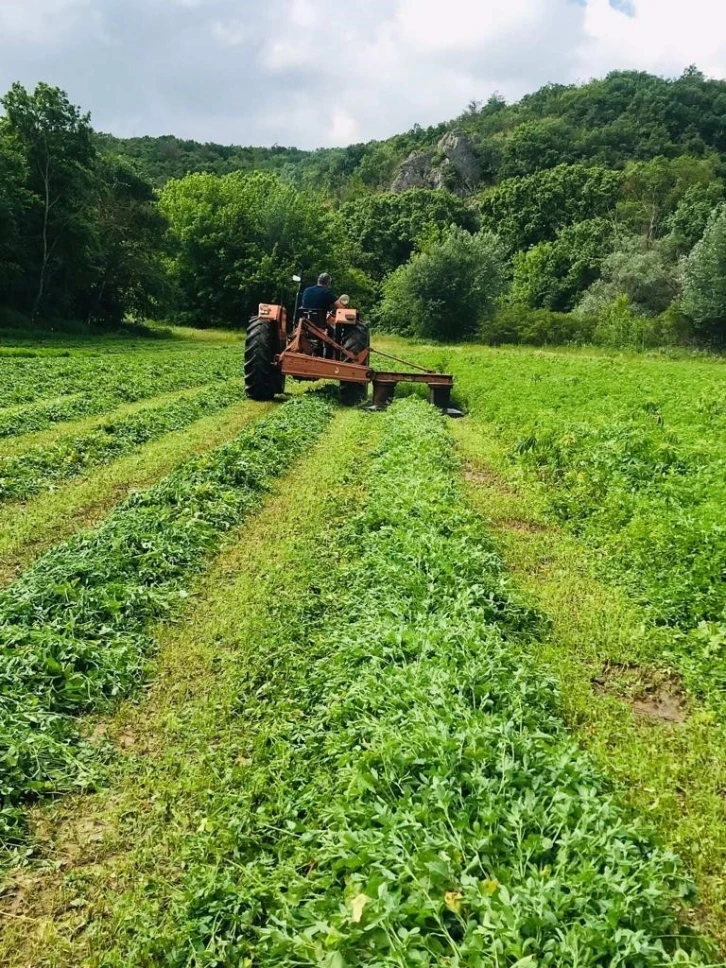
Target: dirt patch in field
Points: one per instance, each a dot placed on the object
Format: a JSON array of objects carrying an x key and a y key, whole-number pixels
[
  {"x": 652, "y": 694},
  {"x": 484, "y": 477},
  {"x": 523, "y": 525}
]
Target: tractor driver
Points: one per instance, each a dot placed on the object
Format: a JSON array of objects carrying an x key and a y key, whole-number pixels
[{"x": 321, "y": 299}]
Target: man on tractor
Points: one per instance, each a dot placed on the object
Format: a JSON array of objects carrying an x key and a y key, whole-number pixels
[{"x": 320, "y": 300}]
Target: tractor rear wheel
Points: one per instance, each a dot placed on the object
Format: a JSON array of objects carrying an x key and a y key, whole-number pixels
[
  {"x": 357, "y": 340},
  {"x": 262, "y": 378}
]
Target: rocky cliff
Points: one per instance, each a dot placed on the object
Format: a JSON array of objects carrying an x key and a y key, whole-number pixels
[{"x": 453, "y": 165}]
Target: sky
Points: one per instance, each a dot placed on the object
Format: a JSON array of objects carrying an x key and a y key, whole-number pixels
[{"x": 332, "y": 72}]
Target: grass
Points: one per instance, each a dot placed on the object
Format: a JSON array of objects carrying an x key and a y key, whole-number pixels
[
  {"x": 14, "y": 446},
  {"x": 73, "y": 624},
  {"x": 631, "y": 456},
  {"x": 37, "y": 393},
  {"x": 603, "y": 476},
  {"x": 97, "y": 847},
  {"x": 369, "y": 764},
  {"x": 43, "y": 467},
  {"x": 29, "y": 529},
  {"x": 370, "y": 768},
  {"x": 672, "y": 772}
]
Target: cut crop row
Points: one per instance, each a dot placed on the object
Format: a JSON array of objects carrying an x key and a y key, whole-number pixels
[
  {"x": 74, "y": 626},
  {"x": 85, "y": 386},
  {"x": 632, "y": 454},
  {"x": 42, "y": 468},
  {"x": 408, "y": 794}
]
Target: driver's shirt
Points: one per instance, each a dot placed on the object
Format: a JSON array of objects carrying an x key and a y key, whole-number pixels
[{"x": 318, "y": 297}]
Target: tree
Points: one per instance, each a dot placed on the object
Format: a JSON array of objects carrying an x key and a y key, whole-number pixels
[
  {"x": 130, "y": 273},
  {"x": 238, "y": 239},
  {"x": 55, "y": 141},
  {"x": 688, "y": 222},
  {"x": 553, "y": 275},
  {"x": 525, "y": 211},
  {"x": 653, "y": 189},
  {"x": 704, "y": 280},
  {"x": 640, "y": 271},
  {"x": 386, "y": 227},
  {"x": 14, "y": 200},
  {"x": 447, "y": 291},
  {"x": 536, "y": 145}
]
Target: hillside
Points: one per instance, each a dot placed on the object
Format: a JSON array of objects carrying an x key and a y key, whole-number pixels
[
  {"x": 578, "y": 214},
  {"x": 627, "y": 116}
]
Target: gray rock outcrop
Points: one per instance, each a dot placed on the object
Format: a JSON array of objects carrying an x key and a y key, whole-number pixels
[{"x": 452, "y": 165}]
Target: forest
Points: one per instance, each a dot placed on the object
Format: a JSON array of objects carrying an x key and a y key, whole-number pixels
[{"x": 582, "y": 213}]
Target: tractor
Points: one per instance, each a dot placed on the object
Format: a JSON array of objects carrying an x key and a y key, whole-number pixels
[{"x": 313, "y": 345}]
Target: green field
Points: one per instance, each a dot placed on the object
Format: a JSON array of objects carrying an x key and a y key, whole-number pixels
[{"x": 299, "y": 685}]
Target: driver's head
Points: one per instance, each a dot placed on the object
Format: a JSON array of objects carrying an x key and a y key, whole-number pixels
[{"x": 324, "y": 280}]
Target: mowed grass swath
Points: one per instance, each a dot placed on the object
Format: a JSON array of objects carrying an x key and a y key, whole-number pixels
[
  {"x": 74, "y": 624},
  {"x": 39, "y": 392},
  {"x": 43, "y": 467},
  {"x": 402, "y": 791},
  {"x": 631, "y": 454}
]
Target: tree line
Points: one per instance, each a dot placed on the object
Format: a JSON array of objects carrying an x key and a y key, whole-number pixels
[
  {"x": 600, "y": 215},
  {"x": 81, "y": 236}
]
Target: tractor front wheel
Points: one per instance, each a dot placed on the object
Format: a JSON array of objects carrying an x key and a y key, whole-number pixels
[
  {"x": 262, "y": 377},
  {"x": 357, "y": 340}
]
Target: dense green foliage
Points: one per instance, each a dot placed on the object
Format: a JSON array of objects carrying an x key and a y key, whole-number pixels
[
  {"x": 404, "y": 792},
  {"x": 447, "y": 291},
  {"x": 73, "y": 625},
  {"x": 525, "y": 211},
  {"x": 238, "y": 239},
  {"x": 551, "y": 275},
  {"x": 599, "y": 192},
  {"x": 704, "y": 291},
  {"x": 167, "y": 157},
  {"x": 388, "y": 227},
  {"x": 80, "y": 233}
]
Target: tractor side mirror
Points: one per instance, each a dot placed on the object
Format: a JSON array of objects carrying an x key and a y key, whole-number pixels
[
  {"x": 296, "y": 279},
  {"x": 345, "y": 300}
]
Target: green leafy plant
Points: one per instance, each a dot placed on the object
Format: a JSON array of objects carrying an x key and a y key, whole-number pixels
[
  {"x": 42, "y": 468},
  {"x": 407, "y": 794},
  {"x": 74, "y": 625}
]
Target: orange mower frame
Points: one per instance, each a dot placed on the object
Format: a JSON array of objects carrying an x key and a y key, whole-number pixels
[{"x": 336, "y": 347}]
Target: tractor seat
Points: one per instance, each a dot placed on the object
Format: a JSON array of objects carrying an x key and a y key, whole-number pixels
[{"x": 318, "y": 317}]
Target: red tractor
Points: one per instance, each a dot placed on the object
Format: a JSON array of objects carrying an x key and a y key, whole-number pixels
[{"x": 313, "y": 345}]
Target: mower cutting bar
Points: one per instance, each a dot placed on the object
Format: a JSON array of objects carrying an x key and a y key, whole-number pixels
[
  {"x": 318, "y": 368},
  {"x": 384, "y": 383}
]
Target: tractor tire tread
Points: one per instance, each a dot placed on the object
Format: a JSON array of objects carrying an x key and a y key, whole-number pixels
[
  {"x": 262, "y": 378},
  {"x": 357, "y": 340}
]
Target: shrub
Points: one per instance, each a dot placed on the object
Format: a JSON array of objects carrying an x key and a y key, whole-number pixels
[
  {"x": 536, "y": 327},
  {"x": 704, "y": 280},
  {"x": 447, "y": 291},
  {"x": 639, "y": 270}
]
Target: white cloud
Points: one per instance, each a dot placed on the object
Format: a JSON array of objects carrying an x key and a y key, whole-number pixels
[
  {"x": 344, "y": 130},
  {"x": 41, "y": 21},
  {"x": 662, "y": 36},
  {"x": 231, "y": 33},
  {"x": 430, "y": 25},
  {"x": 317, "y": 72}
]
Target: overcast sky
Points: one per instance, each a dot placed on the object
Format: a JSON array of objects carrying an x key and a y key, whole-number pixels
[{"x": 332, "y": 72}]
